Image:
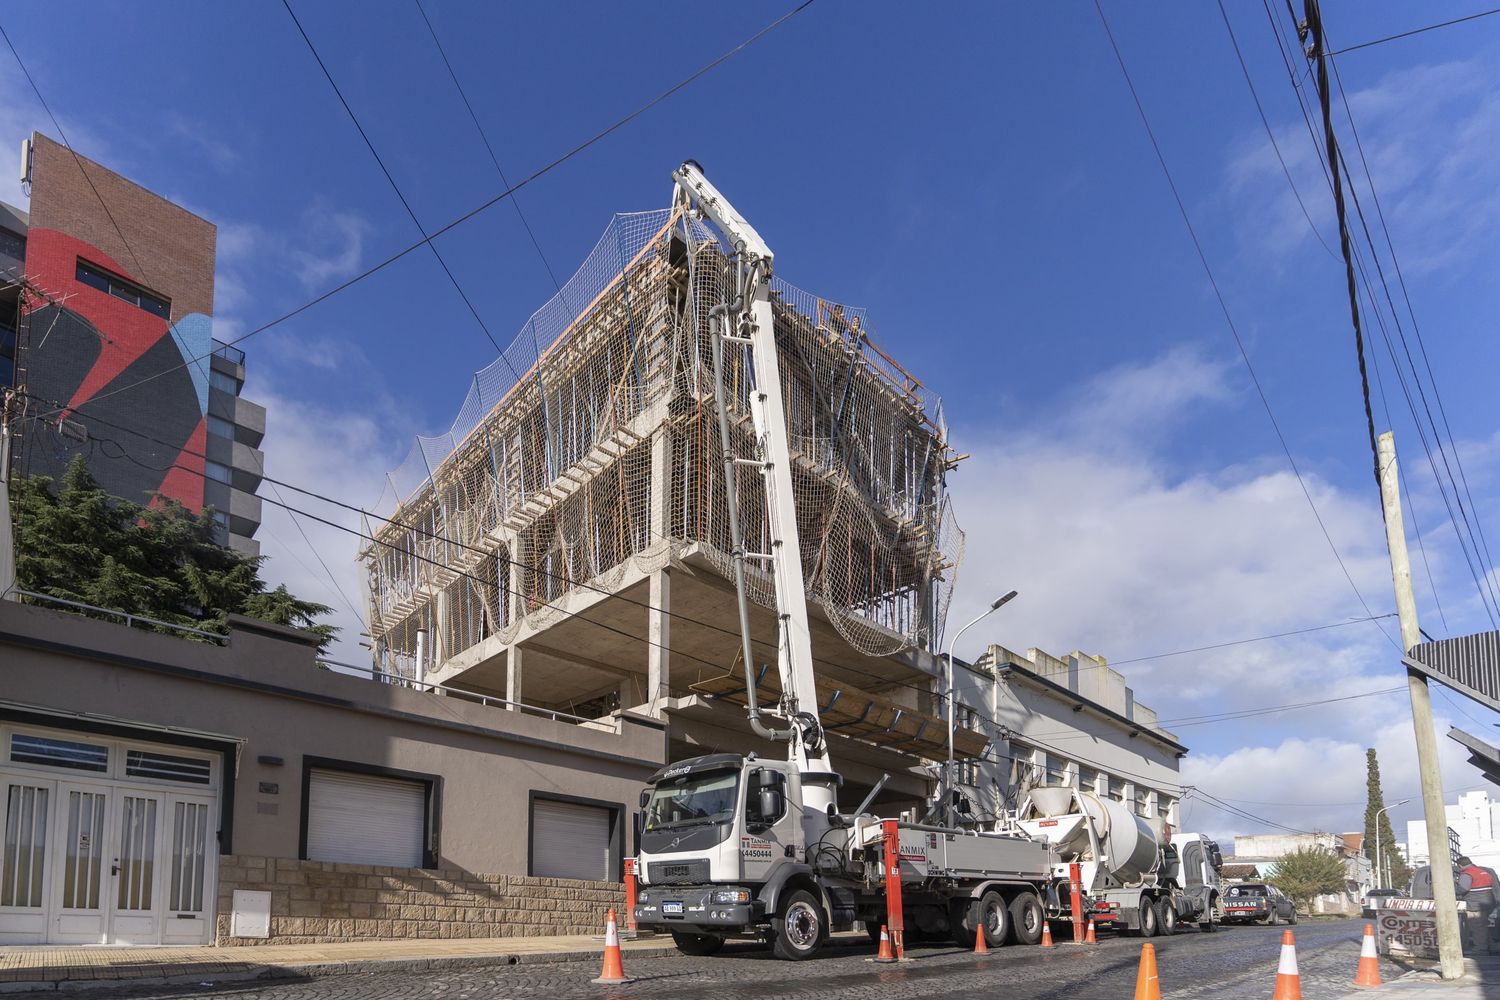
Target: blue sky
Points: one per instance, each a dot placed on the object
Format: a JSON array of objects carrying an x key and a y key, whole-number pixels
[{"x": 976, "y": 175}]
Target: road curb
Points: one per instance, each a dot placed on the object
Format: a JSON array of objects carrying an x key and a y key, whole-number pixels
[{"x": 319, "y": 970}]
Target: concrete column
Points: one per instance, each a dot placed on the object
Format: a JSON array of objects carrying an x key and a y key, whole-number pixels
[
  {"x": 514, "y": 663},
  {"x": 520, "y": 552},
  {"x": 659, "y": 633},
  {"x": 661, "y": 482}
]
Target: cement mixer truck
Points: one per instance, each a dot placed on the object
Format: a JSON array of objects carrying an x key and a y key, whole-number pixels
[{"x": 1135, "y": 874}]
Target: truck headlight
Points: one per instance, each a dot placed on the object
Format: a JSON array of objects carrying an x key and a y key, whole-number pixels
[
  {"x": 643, "y": 897},
  {"x": 731, "y": 896}
]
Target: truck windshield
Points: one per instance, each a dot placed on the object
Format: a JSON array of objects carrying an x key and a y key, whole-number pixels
[{"x": 693, "y": 800}]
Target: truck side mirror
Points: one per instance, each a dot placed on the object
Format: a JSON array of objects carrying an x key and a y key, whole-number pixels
[
  {"x": 645, "y": 797},
  {"x": 772, "y": 804}
]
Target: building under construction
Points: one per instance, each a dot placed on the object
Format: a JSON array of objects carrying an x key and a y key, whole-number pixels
[{"x": 566, "y": 544}]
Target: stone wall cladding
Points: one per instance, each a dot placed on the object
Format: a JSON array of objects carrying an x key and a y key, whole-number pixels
[{"x": 313, "y": 902}]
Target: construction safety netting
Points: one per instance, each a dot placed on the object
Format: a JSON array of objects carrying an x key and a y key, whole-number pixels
[{"x": 590, "y": 448}]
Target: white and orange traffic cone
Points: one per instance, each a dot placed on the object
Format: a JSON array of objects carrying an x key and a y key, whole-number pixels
[
  {"x": 1288, "y": 980},
  {"x": 1147, "y": 983},
  {"x": 1091, "y": 937},
  {"x": 1046, "y": 933},
  {"x": 1368, "y": 973},
  {"x": 614, "y": 969},
  {"x": 981, "y": 946},
  {"x": 885, "y": 954}
]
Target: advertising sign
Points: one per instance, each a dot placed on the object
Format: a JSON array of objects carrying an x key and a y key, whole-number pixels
[{"x": 1407, "y": 933}]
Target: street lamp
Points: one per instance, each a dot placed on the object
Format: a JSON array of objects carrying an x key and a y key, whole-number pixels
[
  {"x": 952, "y": 702},
  {"x": 1377, "y": 840}
]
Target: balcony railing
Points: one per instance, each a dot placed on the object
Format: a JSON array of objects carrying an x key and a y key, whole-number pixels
[{"x": 229, "y": 353}]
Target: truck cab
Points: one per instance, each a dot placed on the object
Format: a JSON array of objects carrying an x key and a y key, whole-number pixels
[{"x": 722, "y": 845}]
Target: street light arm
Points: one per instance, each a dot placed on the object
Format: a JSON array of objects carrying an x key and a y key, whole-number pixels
[{"x": 953, "y": 702}]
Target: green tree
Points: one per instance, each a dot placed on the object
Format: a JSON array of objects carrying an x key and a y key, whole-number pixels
[
  {"x": 1374, "y": 803},
  {"x": 161, "y": 561},
  {"x": 1308, "y": 872}
]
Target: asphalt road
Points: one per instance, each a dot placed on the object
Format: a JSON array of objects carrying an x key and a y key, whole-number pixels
[{"x": 1235, "y": 961}]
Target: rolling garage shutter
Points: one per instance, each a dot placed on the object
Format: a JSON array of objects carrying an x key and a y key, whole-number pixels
[
  {"x": 569, "y": 840},
  {"x": 365, "y": 820}
]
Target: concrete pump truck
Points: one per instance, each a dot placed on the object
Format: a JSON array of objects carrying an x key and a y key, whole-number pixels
[{"x": 741, "y": 846}]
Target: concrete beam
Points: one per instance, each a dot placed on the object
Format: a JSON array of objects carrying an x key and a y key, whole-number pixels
[{"x": 659, "y": 635}]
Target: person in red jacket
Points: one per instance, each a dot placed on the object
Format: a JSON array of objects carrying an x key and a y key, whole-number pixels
[{"x": 1484, "y": 888}]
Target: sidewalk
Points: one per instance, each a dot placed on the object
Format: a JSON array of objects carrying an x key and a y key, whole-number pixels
[
  {"x": 49, "y": 967},
  {"x": 1481, "y": 981}
]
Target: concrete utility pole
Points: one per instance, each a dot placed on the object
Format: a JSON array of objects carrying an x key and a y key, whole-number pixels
[{"x": 1450, "y": 944}]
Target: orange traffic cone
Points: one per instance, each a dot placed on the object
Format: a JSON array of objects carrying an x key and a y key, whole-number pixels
[
  {"x": 1147, "y": 984},
  {"x": 1046, "y": 933},
  {"x": 1090, "y": 937},
  {"x": 885, "y": 955},
  {"x": 981, "y": 947},
  {"x": 1368, "y": 973},
  {"x": 1288, "y": 981},
  {"x": 614, "y": 969}
]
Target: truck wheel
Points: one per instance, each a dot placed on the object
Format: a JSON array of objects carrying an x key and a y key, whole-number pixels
[
  {"x": 1166, "y": 917},
  {"x": 799, "y": 928},
  {"x": 697, "y": 944},
  {"x": 1147, "y": 917},
  {"x": 1026, "y": 918},
  {"x": 991, "y": 913},
  {"x": 1214, "y": 917}
]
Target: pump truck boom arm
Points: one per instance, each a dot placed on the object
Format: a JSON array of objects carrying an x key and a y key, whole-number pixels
[{"x": 747, "y": 323}]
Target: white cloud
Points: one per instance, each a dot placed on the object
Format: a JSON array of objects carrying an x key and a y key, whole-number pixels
[
  {"x": 1428, "y": 133},
  {"x": 1116, "y": 552},
  {"x": 199, "y": 136},
  {"x": 335, "y": 452},
  {"x": 334, "y": 241}
]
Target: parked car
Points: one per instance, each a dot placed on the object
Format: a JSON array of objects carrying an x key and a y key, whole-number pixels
[
  {"x": 1374, "y": 897},
  {"x": 1257, "y": 903}
]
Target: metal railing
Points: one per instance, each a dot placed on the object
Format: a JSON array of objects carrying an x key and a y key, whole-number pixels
[
  {"x": 130, "y": 619},
  {"x": 401, "y": 680},
  {"x": 229, "y": 353}
]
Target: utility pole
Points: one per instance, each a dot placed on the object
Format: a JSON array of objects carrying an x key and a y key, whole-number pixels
[{"x": 1450, "y": 944}]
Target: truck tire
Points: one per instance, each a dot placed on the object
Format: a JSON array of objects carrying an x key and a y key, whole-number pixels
[
  {"x": 1166, "y": 917},
  {"x": 1026, "y": 918},
  {"x": 698, "y": 944},
  {"x": 988, "y": 911},
  {"x": 1147, "y": 917},
  {"x": 1214, "y": 917},
  {"x": 799, "y": 928}
]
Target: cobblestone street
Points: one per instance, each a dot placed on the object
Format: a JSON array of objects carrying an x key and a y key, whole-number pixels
[{"x": 1238, "y": 961}]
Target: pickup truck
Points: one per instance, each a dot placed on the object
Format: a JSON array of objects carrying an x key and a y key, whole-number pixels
[{"x": 1256, "y": 902}]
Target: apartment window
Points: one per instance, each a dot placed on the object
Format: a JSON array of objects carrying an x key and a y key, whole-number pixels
[
  {"x": 218, "y": 471},
  {"x": 1143, "y": 802},
  {"x": 223, "y": 382},
  {"x": 92, "y": 276},
  {"x": 1057, "y": 771},
  {"x": 12, "y": 244},
  {"x": 221, "y": 519},
  {"x": 1088, "y": 779},
  {"x": 219, "y": 427}
]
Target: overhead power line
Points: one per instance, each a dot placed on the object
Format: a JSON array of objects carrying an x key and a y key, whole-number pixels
[
  {"x": 515, "y": 202},
  {"x": 1415, "y": 31},
  {"x": 437, "y": 255},
  {"x": 1254, "y": 638},
  {"x": 76, "y": 158},
  {"x": 486, "y": 205},
  {"x": 1229, "y": 319}
]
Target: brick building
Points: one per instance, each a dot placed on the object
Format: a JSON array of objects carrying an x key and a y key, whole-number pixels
[{"x": 106, "y": 322}]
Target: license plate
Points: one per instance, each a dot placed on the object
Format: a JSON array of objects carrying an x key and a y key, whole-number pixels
[{"x": 672, "y": 909}]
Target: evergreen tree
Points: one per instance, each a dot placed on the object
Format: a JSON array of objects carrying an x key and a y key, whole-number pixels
[
  {"x": 161, "y": 561},
  {"x": 1390, "y": 854}
]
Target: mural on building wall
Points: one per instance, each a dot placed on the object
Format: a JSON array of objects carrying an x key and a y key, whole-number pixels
[{"x": 83, "y": 349}]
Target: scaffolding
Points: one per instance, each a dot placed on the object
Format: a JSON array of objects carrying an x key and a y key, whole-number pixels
[{"x": 590, "y": 448}]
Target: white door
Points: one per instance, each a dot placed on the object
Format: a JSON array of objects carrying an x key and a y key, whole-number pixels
[
  {"x": 23, "y": 865},
  {"x": 187, "y": 883},
  {"x": 135, "y": 916},
  {"x": 570, "y": 840},
  {"x": 81, "y": 863}
]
